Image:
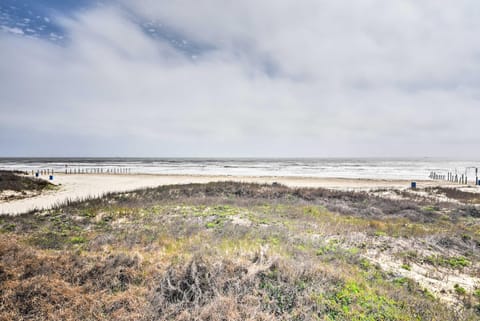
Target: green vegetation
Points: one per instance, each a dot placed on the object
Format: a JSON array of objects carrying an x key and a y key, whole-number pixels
[
  {"x": 406, "y": 267},
  {"x": 451, "y": 262},
  {"x": 231, "y": 251},
  {"x": 476, "y": 293},
  {"x": 459, "y": 290},
  {"x": 355, "y": 301},
  {"x": 77, "y": 240}
]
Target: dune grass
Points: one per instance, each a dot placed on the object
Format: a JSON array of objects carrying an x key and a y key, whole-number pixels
[{"x": 232, "y": 251}]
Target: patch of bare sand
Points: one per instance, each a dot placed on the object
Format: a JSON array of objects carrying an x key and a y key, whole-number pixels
[
  {"x": 438, "y": 280},
  {"x": 9, "y": 195}
]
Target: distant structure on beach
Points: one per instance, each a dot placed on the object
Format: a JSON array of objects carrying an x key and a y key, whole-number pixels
[
  {"x": 456, "y": 177},
  {"x": 96, "y": 170}
]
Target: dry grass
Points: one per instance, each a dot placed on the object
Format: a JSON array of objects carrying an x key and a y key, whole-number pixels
[
  {"x": 15, "y": 185},
  {"x": 17, "y": 181},
  {"x": 231, "y": 251},
  {"x": 456, "y": 194}
]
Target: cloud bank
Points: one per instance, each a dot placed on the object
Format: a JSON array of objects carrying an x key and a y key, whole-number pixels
[{"x": 272, "y": 78}]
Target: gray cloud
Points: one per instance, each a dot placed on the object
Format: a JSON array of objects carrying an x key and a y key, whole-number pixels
[{"x": 275, "y": 78}]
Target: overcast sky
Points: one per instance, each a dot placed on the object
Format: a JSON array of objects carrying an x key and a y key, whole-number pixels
[{"x": 286, "y": 78}]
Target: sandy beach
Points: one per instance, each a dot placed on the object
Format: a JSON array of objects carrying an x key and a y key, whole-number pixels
[{"x": 74, "y": 187}]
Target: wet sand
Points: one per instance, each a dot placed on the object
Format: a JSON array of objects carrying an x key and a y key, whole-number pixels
[{"x": 83, "y": 186}]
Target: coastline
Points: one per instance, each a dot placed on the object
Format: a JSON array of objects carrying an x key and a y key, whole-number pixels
[{"x": 82, "y": 186}]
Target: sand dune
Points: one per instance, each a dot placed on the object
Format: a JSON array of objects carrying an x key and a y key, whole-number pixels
[{"x": 90, "y": 185}]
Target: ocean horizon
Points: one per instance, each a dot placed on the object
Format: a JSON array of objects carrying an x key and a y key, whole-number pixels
[{"x": 362, "y": 168}]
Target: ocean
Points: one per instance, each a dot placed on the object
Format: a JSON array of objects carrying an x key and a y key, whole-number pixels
[{"x": 374, "y": 168}]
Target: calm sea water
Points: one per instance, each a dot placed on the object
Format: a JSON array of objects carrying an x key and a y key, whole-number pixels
[{"x": 331, "y": 167}]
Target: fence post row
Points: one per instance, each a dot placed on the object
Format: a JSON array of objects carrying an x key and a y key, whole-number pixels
[{"x": 455, "y": 178}]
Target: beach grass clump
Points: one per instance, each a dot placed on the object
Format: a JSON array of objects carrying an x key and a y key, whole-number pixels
[
  {"x": 20, "y": 182},
  {"x": 456, "y": 194},
  {"x": 18, "y": 185}
]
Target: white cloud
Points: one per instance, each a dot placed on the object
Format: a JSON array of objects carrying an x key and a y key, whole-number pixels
[
  {"x": 282, "y": 78},
  {"x": 14, "y": 30}
]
